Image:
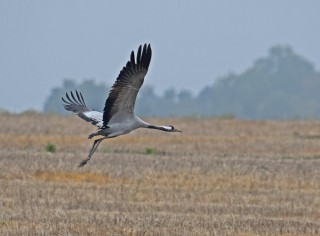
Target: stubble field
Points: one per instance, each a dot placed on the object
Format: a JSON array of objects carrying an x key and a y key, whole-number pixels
[{"x": 219, "y": 177}]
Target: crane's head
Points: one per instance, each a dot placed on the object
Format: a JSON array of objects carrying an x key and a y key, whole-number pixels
[{"x": 170, "y": 128}]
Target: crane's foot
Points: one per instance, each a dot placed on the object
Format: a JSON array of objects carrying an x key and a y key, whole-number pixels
[
  {"x": 91, "y": 136},
  {"x": 82, "y": 163}
]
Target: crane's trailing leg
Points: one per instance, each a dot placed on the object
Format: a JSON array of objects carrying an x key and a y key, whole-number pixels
[{"x": 93, "y": 149}]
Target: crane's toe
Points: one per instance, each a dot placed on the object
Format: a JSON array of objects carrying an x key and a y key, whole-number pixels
[{"x": 82, "y": 163}]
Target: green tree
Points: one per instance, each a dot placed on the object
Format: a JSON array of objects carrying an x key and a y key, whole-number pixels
[{"x": 280, "y": 86}]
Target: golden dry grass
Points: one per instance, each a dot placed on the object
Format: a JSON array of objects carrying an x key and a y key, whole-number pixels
[{"x": 219, "y": 177}]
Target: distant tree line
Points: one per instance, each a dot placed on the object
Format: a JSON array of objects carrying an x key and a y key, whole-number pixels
[{"x": 282, "y": 85}]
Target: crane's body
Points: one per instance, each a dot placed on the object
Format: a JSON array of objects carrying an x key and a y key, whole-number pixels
[
  {"x": 124, "y": 126},
  {"x": 118, "y": 117}
]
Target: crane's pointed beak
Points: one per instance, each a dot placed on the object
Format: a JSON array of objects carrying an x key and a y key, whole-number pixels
[{"x": 176, "y": 130}]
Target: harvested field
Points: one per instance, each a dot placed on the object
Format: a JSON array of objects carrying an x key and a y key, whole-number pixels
[{"x": 219, "y": 177}]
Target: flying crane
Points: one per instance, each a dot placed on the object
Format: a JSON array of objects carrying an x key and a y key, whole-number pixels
[{"x": 118, "y": 117}]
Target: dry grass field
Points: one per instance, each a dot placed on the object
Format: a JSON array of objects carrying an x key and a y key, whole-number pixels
[{"x": 219, "y": 177}]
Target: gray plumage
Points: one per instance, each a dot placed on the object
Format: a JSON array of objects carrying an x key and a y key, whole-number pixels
[{"x": 118, "y": 116}]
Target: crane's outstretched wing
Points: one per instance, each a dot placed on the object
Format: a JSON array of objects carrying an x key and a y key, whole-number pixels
[
  {"x": 77, "y": 105},
  {"x": 122, "y": 96}
]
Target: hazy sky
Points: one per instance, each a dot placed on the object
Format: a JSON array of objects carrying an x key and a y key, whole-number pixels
[{"x": 194, "y": 42}]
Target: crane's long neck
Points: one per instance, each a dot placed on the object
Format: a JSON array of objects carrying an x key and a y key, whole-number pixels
[
  {"x": 143, "y": 124},
  {"x": 163, "y": 128}
]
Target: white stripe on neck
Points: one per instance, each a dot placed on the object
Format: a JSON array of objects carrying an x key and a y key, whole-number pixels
[{"x": 167, "y": 127}]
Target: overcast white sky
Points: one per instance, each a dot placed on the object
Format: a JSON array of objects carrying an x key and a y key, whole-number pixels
[{"x": 194, "y": 42}]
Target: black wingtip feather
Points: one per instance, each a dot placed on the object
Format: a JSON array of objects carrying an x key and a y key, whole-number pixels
[
  {"x": 139, "y": 55},
  {"x": 82, "y": 100},
  {"x": 143, "y": 56},
  {"x": 74, "y": 99},
  {"x": 67, "y": 96},
  {"x": 132, "y": 58},
  {"x": 147, "y": 60},
  {"x": 79, "y": 100},
  {"x": 64, "y": 100}
]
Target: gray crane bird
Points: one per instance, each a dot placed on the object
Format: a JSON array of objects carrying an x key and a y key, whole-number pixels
[{"x": 118, "y": 115}]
